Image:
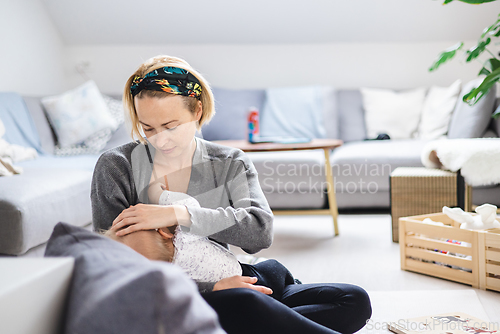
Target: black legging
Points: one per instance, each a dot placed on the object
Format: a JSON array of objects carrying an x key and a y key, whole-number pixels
[{"x": 292, "y": 308}]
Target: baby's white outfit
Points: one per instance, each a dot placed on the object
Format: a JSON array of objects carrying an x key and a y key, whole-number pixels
[{"x": 201, "y": 258}]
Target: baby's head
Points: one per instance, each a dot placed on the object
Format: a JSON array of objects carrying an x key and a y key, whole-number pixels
[{"x": 148, "y": 243}]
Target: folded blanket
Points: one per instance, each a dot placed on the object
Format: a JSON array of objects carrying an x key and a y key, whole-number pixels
[
  {"x": 7, "y": 169},
  {"x": 478, "y": 159},
  {"x": 10, "y": 153}
]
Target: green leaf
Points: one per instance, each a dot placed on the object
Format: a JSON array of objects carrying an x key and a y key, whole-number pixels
[
  {"x": 445, "y": 56},
  {"x": 475, "y": 51},
  {"x": 496, "y": 113},
  {"x": 491, "y": 29},
  {"x": 493, "y": 63},
  {"x": 489, "y": 66},
  {"x": 477, "y": 93},
  {"x": 484, "y": 71},
  {"x": 476, "y": 2},
  {"x": 447, "y": 1}
]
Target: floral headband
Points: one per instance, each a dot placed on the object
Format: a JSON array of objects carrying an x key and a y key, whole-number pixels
[{"x": 168, "y": 79}]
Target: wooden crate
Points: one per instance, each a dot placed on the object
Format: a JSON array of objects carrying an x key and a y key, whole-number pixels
[
  {"x": 489, "y": 259},
  {"x": 417, "y": 190},
  {"x": 424, "y": 249}
]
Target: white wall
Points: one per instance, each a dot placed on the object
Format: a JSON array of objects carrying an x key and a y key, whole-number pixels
[
  {"x": 346, "y": 65},
  {"x": 31, "y": 50},
  {"x": 35, "y": 61}
]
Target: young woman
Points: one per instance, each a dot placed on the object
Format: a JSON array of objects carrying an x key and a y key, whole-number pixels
[{"x": 167, "y": 101}]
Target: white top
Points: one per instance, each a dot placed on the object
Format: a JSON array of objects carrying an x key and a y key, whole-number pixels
[{"x": 201, "y": 258}]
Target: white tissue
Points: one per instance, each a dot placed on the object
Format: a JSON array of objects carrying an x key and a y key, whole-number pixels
[{"x": 432, "y": 222}]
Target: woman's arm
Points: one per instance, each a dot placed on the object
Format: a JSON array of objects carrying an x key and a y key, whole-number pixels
[
  {"x": 112, "y": 189},
  {"x": 245, "y": 220},
  {"x": 248, "y": 222}
]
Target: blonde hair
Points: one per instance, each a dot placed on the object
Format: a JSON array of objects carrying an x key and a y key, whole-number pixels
[
  {"x": 191, "y": 103},
  {"x": 159, "y": 249}
]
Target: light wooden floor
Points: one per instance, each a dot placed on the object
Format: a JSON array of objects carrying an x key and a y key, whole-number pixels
[{"x": 362, "y": 254}]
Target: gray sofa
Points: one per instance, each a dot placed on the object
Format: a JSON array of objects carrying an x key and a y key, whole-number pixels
[
  {"x": 53, "y": 189},
  {"x": 361, "y": 167}
]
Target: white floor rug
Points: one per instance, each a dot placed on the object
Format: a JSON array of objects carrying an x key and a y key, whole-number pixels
[{"x": 390, "y": 306}]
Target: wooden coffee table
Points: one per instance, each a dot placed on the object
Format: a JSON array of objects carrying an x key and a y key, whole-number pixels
[{"x": 325, "y": 144}]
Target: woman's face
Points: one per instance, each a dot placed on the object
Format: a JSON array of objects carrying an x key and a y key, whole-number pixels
[{"x": 167, "y": 123}]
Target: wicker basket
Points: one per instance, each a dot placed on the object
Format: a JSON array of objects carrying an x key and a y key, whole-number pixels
[
  {"x": 466, "y": 256},
  {"x": 416, "y": 191}
]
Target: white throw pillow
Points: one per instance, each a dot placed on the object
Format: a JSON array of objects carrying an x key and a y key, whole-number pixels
[
  {"x": 394, "y": 113},
  {"x": 77, "y": 114},
  {"x": 95, "y": 143},
  {"x": 438, "y": 108}
]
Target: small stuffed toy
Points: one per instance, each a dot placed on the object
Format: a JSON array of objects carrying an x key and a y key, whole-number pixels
[{"x": 486, "y": 218}]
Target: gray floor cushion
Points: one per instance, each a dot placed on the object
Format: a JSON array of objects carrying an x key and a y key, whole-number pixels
[{"x": 116, "y": 290}]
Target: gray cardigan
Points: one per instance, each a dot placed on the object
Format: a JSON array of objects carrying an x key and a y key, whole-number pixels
[{"x": 233, "y": 209}]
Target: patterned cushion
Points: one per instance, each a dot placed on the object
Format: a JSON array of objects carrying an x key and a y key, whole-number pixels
[{"x": 97, "y": 141}]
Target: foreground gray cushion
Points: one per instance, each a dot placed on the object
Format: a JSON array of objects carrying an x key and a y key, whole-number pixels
[
  {"x": 32, "y": 203},
  {"x": 116, "y": 290}
]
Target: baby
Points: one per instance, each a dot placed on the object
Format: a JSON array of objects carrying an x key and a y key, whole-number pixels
[{"x": 202, "y": 259}]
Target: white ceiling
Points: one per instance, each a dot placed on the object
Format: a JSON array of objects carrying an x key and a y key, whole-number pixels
[{"x": 267, "y": 21}]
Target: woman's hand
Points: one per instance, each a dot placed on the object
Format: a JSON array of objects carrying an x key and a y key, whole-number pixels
[
  {"x": 241, "y": 282},
  {"x": 149, "y": 217}
]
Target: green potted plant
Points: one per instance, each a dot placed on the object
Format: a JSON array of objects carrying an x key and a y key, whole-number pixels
[{"x": 491, "y": 67}]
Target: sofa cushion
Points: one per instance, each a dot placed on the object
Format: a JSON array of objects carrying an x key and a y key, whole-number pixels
[
  {"x": 495, "y": 123},
  {"x": 78, "y": 114},
  {"x": 19, "y": 126},
  {"x": 293, "y": 112},
  {"x": 290, "y": 171},
  {"x": 365, "y": 166},
  {"x": 472, "y": 121},
  {"x": 331, "y": 112},
  {"x": 394, "y": 113},
  {"x": 301, "y": 199},
  {"x": 437, "y": 110},
  {"x": 120, "y": 137},
  {"x": 45, "y": 131},
  {"x": 231, "y": 108},
  {"x": 32, "y": 203},
  {"x": 46, "y": 161},
  {"x": 116, "y": 290},
  {"x": 98, "y": 141},
  {"x": 351, "y": 115}
]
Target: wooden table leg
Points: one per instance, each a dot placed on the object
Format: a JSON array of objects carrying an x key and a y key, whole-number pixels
[{"x": 332, "y": 200}]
